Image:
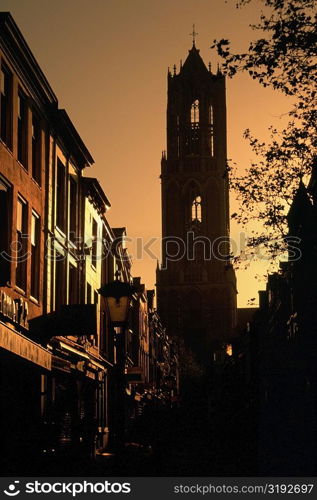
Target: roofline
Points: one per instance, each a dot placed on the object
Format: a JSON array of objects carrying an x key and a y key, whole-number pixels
[
  {"x": 63, "y": 120},
  {"x": 18, "y": 51},
  {"x": 98, "y": 189}
]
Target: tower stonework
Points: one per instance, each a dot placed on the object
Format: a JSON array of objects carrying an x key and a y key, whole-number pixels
[{"x": 196, "y": 285}]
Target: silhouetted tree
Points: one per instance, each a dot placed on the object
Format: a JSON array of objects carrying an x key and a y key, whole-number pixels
[{"x": 283, "y": 58}]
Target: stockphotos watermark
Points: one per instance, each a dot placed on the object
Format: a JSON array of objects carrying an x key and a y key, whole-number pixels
[
  {"x": 67, "y": 487},
  {"x": 174, "y": 249}
]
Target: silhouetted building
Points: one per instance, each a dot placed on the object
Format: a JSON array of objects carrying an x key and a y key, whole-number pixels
[
  {"x": 284, "y": 347},
  {"x": 196, "y": 283},
  {"x": 26, "y": 100}
]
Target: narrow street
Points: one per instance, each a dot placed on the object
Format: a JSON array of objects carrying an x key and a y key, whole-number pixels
[{"x": 182, "y": 443}]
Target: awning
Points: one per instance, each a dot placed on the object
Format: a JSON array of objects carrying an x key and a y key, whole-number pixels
[
  {"x": 78, "y": 352},
  {"x": 100, "y": 363},
  {"x": 14, "y": 342}
]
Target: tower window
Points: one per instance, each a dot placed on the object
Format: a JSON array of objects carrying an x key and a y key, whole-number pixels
[
  {"x": 193, "y": 132},
  {"x": 211, "y": 125},
  {"x": 178, "y": 136},
  {"x": 194, "y": 112},
  {"x": 196, "y": 209}
]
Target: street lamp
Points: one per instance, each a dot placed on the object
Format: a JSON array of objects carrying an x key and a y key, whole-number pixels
[{"x": 117, "y": 296}]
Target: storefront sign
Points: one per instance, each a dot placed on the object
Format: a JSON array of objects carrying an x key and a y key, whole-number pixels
[{"x": 16, "y": 310}]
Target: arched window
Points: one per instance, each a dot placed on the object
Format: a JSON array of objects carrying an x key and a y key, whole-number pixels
[
  {"x": 192, "y": 144},
  {"x": 196, "y": 209},
  {"x": 211, "y": 125},
  {"x": 194, "y": 112}
]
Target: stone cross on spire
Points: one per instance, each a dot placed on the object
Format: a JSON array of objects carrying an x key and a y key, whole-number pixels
[{"x": 194, "y": 34}]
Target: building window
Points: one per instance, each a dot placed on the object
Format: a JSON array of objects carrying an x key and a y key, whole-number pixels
[
  {"x": 59, "y": 280},
  {"x": 4, "y": 233},
  {"x": 94, "y": 249},
  {"x": 72, "y": 208},
  {"x": 88, "y": 297},
  {"x": 6, "y": 106},
  {"x": 35, "y": 255},
  {"x": 21, "y": 244},
  {"x": 36, "y": 150},
  {"x": 211, "y": 125},
  {"x": 194, "y": 112},
  {"x": 196, "y": 209},
  {"x": 22, "y": 129},
  {"x": 72, "y": 287},
  {"x": 60, "y": 196}
]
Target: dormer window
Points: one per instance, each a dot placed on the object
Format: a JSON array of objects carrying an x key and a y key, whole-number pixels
[{"x": 196, "y": 209}]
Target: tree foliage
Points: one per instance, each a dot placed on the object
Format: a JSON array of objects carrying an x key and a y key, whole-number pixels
[{"x": 284, "y": 57}]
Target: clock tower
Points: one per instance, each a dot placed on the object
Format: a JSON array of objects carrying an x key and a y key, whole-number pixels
[{"x": 196, "y": 285}]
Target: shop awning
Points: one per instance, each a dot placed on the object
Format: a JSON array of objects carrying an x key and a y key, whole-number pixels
[
  {"x": 100, "y": 363},
  {"x": 18, "y": 344}
]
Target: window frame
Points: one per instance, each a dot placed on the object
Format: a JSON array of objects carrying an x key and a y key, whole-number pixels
[
  {"x": 5, "y": 233},
  {"x": 35, "y": 255},
  {"x": 36, "y": 149},
  {"x": 94, "y": 245},
  {"x": 72, "y": 284},
  {"x": 7, "y": 101},
  {"x": 21, "y": 242},
  {"x": 22, "y": 129},
  {"x": 73, "y": 202},
  {"x": 196, "y": 209},
  {"x": 59, "y": 278},
  {"x": 60, "y": 212}
]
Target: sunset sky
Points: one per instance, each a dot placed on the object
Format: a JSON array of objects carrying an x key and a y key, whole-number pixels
[{"x": 107, "y": 62}]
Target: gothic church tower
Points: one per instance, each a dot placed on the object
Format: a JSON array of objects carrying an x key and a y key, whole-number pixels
[{"x": 196, "y": 285}]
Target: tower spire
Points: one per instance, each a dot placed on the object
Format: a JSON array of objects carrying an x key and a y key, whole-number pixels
[{"x": 193, "y": 34}]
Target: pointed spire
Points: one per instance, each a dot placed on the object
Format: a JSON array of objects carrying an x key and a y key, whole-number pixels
[{"x": 301, "y": 208}]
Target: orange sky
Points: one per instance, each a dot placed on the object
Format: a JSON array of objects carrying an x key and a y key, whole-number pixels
[{"x": 107, "y": 61}]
